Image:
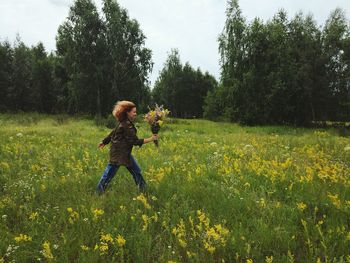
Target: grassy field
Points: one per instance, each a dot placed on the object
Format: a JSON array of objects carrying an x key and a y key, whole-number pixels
[{"x": 217, "y": 192}]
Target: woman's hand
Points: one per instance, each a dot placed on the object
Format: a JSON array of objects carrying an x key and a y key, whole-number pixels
[
  {"x": 101, "y": 145},
  {"x": 154, "y": 137}
]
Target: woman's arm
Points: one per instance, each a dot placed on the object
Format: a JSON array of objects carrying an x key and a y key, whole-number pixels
[
  {"x": 106, "y": 140},
  {"x": 154, "y": 137},
  {"x": 132, "y": 139}
]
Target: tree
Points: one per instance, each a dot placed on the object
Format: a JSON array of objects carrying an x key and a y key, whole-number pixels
[
  {"x": 282, "y": 71},
  {"x": 42, "y": 80},
  {"x": 104, "y": 58},
  {"x": 181, "y": 88},
  {"x": 19, "y": 93},
  {"x": 77, "y": 44},
  {"x": 336, "y": 37},
  {"x": 128, "y": 61},
  {"x": 6, "y": 74}
]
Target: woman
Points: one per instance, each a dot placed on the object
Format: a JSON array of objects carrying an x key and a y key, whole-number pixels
[{"x": 122, "y": 139}]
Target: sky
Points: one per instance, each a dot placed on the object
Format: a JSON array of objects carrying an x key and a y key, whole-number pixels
[{"x": 191, "y": 26}]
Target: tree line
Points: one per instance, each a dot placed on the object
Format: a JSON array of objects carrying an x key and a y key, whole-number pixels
[
  {"x": 282, "y": 71},
  {"x": 100, "y": 58}
]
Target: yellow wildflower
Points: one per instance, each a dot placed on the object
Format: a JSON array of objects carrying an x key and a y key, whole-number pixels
[
  {"x": 73, "y": 215},
  {"x": 47, "y": 251},
  {"x": 190, "y": 254},
  {"x": 269, "y": 259},
  {"x": 85, "y": 248},
  {"x": 145, "y": 219},
  {"x": 143, "y": 200},
  {"x": 103, "y": 248},
  {"x": 120, "y": 241},
  {"x": 209, "y": 247},
  {"x": 335, "y": 200},
  {"x": 22, "y": 237},
  {"x": 97, "y": 213},
  {"x": 107, "y": 238},
  {"x": 33, "y": 216},
  {"x": 301, "y": 206}
]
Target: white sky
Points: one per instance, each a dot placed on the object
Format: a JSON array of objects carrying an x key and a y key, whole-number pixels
[{"x": 192, "y": 26}]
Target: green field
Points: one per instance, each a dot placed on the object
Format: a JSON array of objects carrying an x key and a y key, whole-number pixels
[{"x": 217, "y": 192}]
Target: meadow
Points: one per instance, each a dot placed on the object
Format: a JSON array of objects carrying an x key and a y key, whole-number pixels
[{"x": 217, "y": 192}]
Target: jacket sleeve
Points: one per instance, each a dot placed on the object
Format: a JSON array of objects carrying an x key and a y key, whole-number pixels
[
  {"x": 107, "y": 140},
  {"x": 131, "y": 137}
]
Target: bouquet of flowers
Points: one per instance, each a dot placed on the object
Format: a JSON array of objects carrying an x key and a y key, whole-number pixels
[{"x": 156, "y": 118}]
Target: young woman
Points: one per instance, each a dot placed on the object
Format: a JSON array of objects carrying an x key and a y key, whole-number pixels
[{"x": 122, "y": 139}]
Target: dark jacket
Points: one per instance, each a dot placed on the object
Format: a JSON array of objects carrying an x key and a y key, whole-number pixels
[{"x": 122, "y": 139}]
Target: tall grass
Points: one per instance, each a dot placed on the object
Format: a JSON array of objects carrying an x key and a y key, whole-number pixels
[{"x": 217, "y": 192}]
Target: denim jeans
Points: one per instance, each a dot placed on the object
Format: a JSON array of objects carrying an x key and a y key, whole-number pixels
[{"x": 112, "y": 169}]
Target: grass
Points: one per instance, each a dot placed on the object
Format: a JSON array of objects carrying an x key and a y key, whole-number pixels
[{"x": 217, "y": 192}]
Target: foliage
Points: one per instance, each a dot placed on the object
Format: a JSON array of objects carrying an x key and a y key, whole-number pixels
[
  {"x": 216, "y": 191},
  {"x": 282, "y": 71},
  {"x": 182, "y": 88}
]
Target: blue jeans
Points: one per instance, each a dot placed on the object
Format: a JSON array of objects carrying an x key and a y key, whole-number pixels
[{"x": 112, "y": 169}]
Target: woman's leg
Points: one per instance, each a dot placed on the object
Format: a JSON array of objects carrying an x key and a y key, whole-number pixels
[
  {"x": 107, "y": 176},
  {"x": 135, "y": 170}
]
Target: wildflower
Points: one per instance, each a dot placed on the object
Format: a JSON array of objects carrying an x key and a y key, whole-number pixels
[
  {"x": 85, "y": 248},
  {"x": 145, "y": 219},
  {"x": 269, "y": 259},
  {"x": 120, "y": 241},
  {"x": 22, "y": 237},
  {"x": 143, "y": 200},
  {"x": 190, "y": 254},
  {"x": 107, "y": 238},
  {"x": 103, "y": 248},
  {"x": 33, "y": 216},
  {"x": 47, "y": 251},
  {"x": 301, "y": 206},
  {"x": 209, "y": 247},
  {"x": 155, "y": 118},
  {"x": 335, "y": 200},
  {"x": 73, "y": 215},
  {"x": 97, "y": 213}
]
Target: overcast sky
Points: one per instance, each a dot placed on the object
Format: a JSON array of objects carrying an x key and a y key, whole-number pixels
[{"x": 192, "y": 26}]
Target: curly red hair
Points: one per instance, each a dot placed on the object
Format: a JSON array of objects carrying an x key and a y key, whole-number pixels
[{"x": 121, "y": 108}]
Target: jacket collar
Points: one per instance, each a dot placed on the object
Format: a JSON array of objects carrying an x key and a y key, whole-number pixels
[{"x": 127, "y": 119}]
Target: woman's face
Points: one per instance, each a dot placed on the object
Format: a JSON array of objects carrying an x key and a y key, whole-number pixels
[{"x": 132, "y": 114}]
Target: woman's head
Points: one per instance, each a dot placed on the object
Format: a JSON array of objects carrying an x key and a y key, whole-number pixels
[{"x": 124, "y": 109}]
